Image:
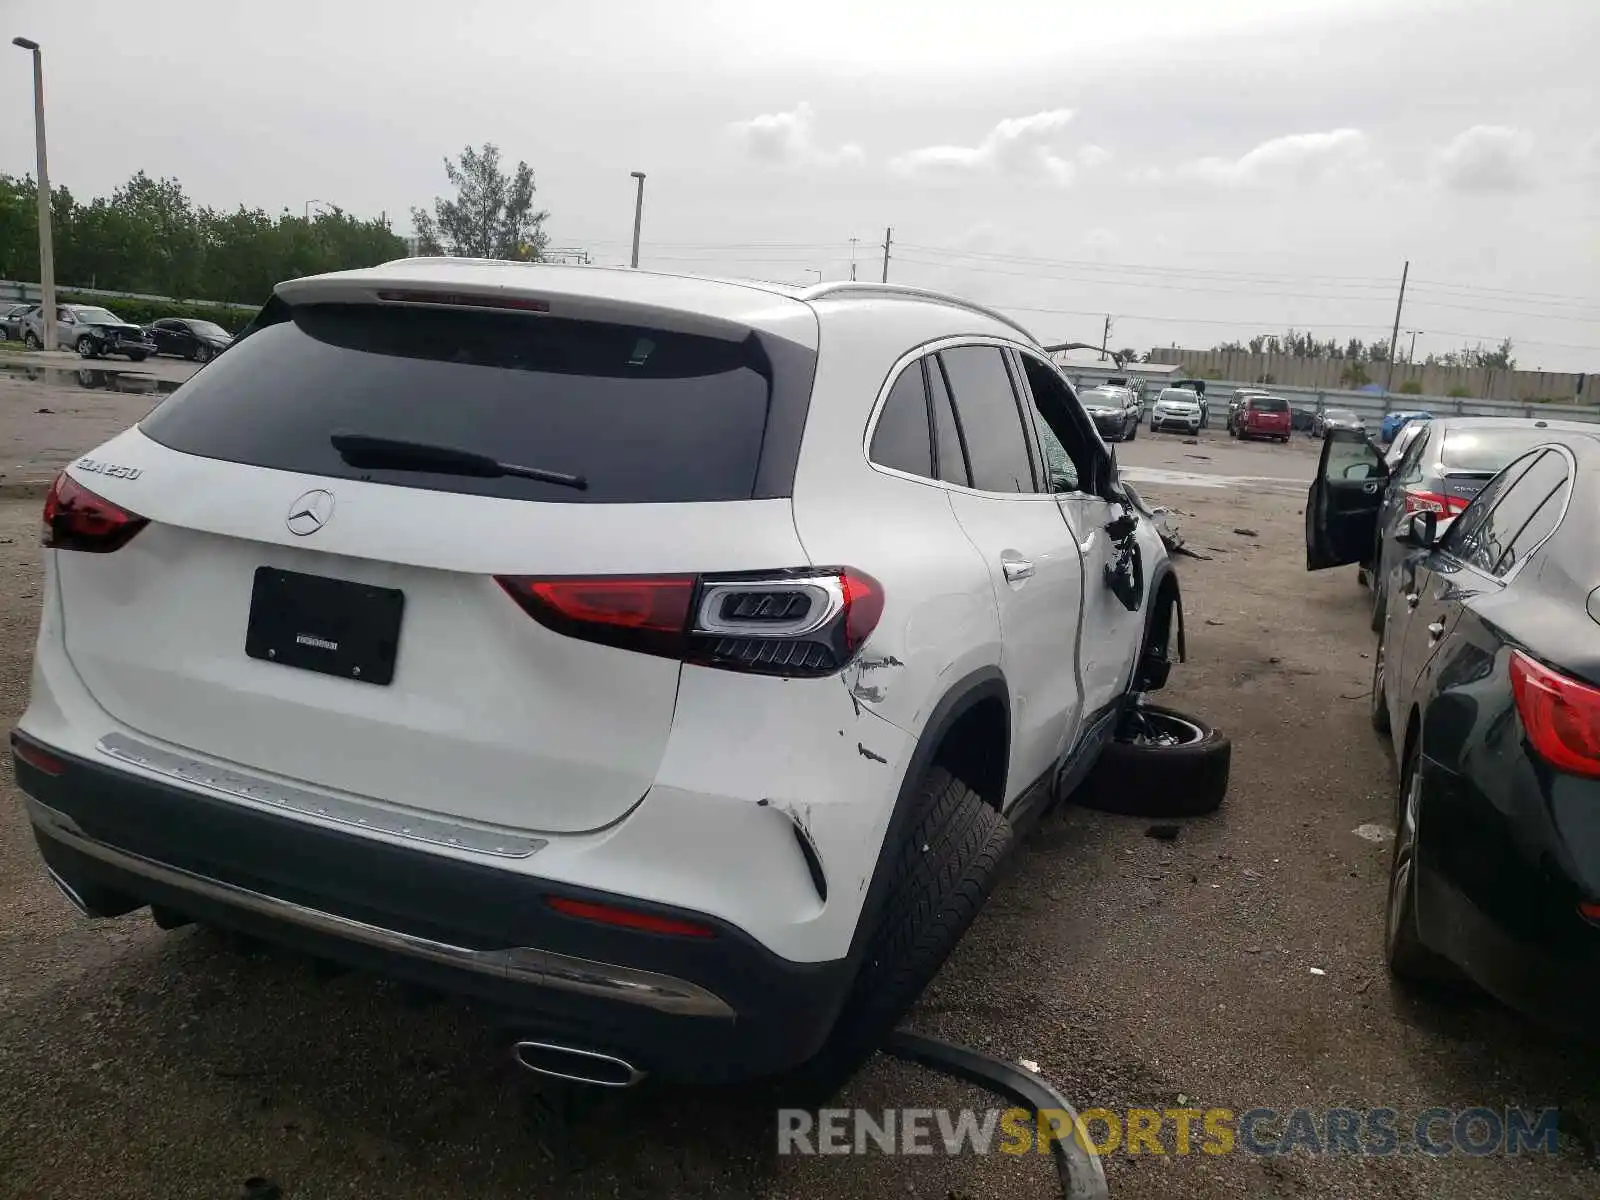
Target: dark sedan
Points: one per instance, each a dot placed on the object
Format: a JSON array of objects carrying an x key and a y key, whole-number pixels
[
  {"x": 200, "y": 341},
  {"x": 1487, "y": 678},
  {"x": 1114, "y": 410},
  {"x": 1444, "y": 466}
]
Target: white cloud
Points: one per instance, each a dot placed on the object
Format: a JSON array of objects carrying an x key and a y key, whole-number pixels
[
  {"x": 1486, "y": 158},
  {"x": 789, "y": 139},
  {"x": 1297, "y": 158},
  {"x": 1022, "y": 146}
]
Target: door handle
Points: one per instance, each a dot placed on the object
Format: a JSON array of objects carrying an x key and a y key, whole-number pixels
[
  {"x": 1016, "y": 569},
  {"x": 1412, "y": 600},
  {"x": 1435, "y": 631}
]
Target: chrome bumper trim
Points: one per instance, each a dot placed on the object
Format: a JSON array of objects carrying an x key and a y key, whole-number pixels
[
  {"x": 520, "y": 964},
  {"x": 362, "y": 814}
]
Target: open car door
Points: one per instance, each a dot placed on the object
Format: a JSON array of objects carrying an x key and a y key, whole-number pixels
[{"x": 1345, "y": 499}]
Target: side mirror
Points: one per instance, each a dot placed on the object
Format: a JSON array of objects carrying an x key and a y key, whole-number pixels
[{"x": 1420, "y": 530}]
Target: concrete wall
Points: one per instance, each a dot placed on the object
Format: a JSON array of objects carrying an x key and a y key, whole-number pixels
[{"x": 1282, "y": 370}]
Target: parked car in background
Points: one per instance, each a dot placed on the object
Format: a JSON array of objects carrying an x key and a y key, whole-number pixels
[
  {"x": 1241, "y": 395},
  {"x": 200, "y": 341},
  {"x": 1176, "y": 408},
  {"x": 1393, "y": 422},
  {"x": 11, "y": 322},
  {"x": 1487, "y": 683},
  {"x": 92, "y": 331},
  {"x": 1446, "y": 463},
  {"x": 1114, "y": 411},
  {"x": 1336, "y": 418},
  {"x": 679, "y": 823},
  {"x": 1198, "y": 387},
  {"x": 1260, "y": 416}
]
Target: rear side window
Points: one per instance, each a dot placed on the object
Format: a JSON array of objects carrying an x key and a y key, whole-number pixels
[
  {"x": 901, "y": 440},
  {"x": 948, "y": 447},
  {"x": 1485, "y": 451},
  {"x": 645, "y": 415},
  {"x": 1530, "y": 496},
  {"x": 991, "y": 423}
]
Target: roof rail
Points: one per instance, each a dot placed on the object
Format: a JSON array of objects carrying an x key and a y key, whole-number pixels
[{"x": 900, "y": 291}]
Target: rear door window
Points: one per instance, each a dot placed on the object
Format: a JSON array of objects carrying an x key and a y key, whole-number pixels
[
  {"x": 644, "y": 415},
  {"x": 1496, "y": 540},
  {"x": 991, "y": 423},
  {"x": 901, "y": 440}
]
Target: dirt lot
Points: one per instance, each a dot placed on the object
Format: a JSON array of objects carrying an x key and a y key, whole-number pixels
[{"x": 1136, "y": 972}]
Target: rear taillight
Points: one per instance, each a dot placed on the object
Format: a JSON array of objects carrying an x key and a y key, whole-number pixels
[
  {"x": 1437, "y": 502},
  {"x": 77, "y": 519},
  {"x": 36, "y": 756},
  {"x": 1560, "y": 715},
  {"x": 803, "y": 622}
]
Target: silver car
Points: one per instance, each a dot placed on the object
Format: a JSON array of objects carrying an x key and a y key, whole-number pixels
[
  {"x": 1176, "y": 408},
  {"x": 1336, "y": 418},
  {"x": 11, "y": 321},
  {"x": 90, "y": 330}
]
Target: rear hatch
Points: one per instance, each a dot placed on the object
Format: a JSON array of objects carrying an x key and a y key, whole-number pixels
[
  {"x": 1268, "y": 413},
  {"x": 343, "y": 625}
]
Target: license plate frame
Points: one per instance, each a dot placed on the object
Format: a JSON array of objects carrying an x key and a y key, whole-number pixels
[{"x": 331, "y": 626}]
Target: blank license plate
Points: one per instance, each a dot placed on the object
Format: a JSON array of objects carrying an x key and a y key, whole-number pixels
[{"x": 332, "y": 626}]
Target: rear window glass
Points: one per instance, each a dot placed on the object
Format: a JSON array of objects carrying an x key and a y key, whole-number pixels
[
  {"x": 644, "y": 415},
  {"x": 1271, "y": 404},
  {"x": 1487, "y": 450}
]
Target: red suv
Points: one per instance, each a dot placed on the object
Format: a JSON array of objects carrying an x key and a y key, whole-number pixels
[{"x": 1261, "y": 416}]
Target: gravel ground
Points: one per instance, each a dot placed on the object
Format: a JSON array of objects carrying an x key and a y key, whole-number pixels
[{"x": 1136, "y": 972}]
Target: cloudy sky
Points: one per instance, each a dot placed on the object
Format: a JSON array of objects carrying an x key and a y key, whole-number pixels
[{"x": 1199, "y": 171}]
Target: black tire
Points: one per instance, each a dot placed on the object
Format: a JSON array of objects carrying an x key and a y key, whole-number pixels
[
  {"x": 1133, "y": 430},
  {"x": 86, "y": 347},
  {"x": 202, "y": 354},
  {"x": 1378, "y": 704},
  {"x": 941, "y": 877},
  {"x": 135, "y": 356},
  {"x": 1139, "y": 778},
  {"x": 1409, "y": 959},
  {"x": 31, "y": 340}
]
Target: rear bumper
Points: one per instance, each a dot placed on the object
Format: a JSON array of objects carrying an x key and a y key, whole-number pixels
[{"x": 696, "y": 1008}]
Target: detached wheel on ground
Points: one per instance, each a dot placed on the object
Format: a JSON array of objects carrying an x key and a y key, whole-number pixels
[
  {"x": 1162, "y": 763},
  {"x": 944, "y": 871}
]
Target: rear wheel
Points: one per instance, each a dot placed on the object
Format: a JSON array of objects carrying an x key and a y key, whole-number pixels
[
  {"x": 1408, "y": 957},
  {"x": 945, "y": 870},
  {"x": 1161, "y": 763},
  {"x": 31, "y": 340}
]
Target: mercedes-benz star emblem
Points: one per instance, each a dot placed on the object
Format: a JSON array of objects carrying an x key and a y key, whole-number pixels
[{"x": 310, "y": 512}]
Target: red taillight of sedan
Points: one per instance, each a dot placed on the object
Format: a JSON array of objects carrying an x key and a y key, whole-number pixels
[{"x": 1561, "y": 716}]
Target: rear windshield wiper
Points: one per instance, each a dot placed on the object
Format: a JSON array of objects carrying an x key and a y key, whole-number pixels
[{"x": 365, "y": 452}]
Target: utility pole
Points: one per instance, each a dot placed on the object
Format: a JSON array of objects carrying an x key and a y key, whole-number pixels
[
  {"x": 1394, "y": 338},
  {"x": 888, "y": 237},
  {"x": 638, "y": 214},
  {"x": 47, "y": 256},
  {"x": 1105, "y": 336},
  {"x": 853, "y": 259},
  {"x": 1411, "y": 355}
]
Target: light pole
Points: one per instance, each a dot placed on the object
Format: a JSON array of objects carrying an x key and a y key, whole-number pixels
[
  {"x": 638, "y": 214},
  {"x": 47, "y": 256},
  {"x": 1411, "y": 355},
  {"x": 309, "y": 203}
]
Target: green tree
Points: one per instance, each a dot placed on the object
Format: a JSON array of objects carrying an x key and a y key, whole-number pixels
[
  {"x": 492, "y": 215},
  {"x": 1410, "y": 387},
  {"x": 1354, "y": 376}
]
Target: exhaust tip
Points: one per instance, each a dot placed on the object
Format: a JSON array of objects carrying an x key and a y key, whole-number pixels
[
  {"x": 70, "y": 893},
  {"x": 574, "y": 1065}
]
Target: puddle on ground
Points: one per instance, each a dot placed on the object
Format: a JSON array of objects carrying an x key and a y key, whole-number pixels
[{"x": 139, "y": 383}]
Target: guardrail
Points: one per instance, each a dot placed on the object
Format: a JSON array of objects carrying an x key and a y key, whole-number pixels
[{"x": 16, "y": 292}]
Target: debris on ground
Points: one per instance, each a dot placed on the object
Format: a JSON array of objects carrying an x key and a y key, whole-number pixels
[
  {"x": 1212, "y": 621},
  {"x": 259, "y": 1187},
  {"x": 1163, "y": 833},
  {"x": 1318, "y": 971},
  {"x": 1247, "y": 532},
  {"x": 1377, "y": 834}
]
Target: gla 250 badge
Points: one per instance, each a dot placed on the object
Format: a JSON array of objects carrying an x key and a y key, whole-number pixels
[{"x": 110, "y": 470}]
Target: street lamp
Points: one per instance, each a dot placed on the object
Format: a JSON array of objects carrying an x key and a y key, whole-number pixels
[
  {"x": 47, "y": 257},
  {"x": 1411, "y": 355},
  {"x": 638, "y": 214},
  {"x": 309, "y": 203}
]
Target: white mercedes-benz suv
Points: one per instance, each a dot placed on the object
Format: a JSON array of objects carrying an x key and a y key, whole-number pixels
[{"x": 668, "y": 662}]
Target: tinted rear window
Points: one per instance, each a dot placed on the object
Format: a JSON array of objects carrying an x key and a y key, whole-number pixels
[
  {"x": 1488, "y": 450},
  {"x": 643, "y": 414},
  {"x": 1271, "y": 404}
]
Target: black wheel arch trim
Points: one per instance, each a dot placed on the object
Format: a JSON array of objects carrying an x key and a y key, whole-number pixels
[
  {"x": 1153, "y": 667},
  {"x": 986, "y": 683}
]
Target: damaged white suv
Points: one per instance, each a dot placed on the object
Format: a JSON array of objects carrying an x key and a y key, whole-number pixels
[{"x": 665, "y": 661}]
